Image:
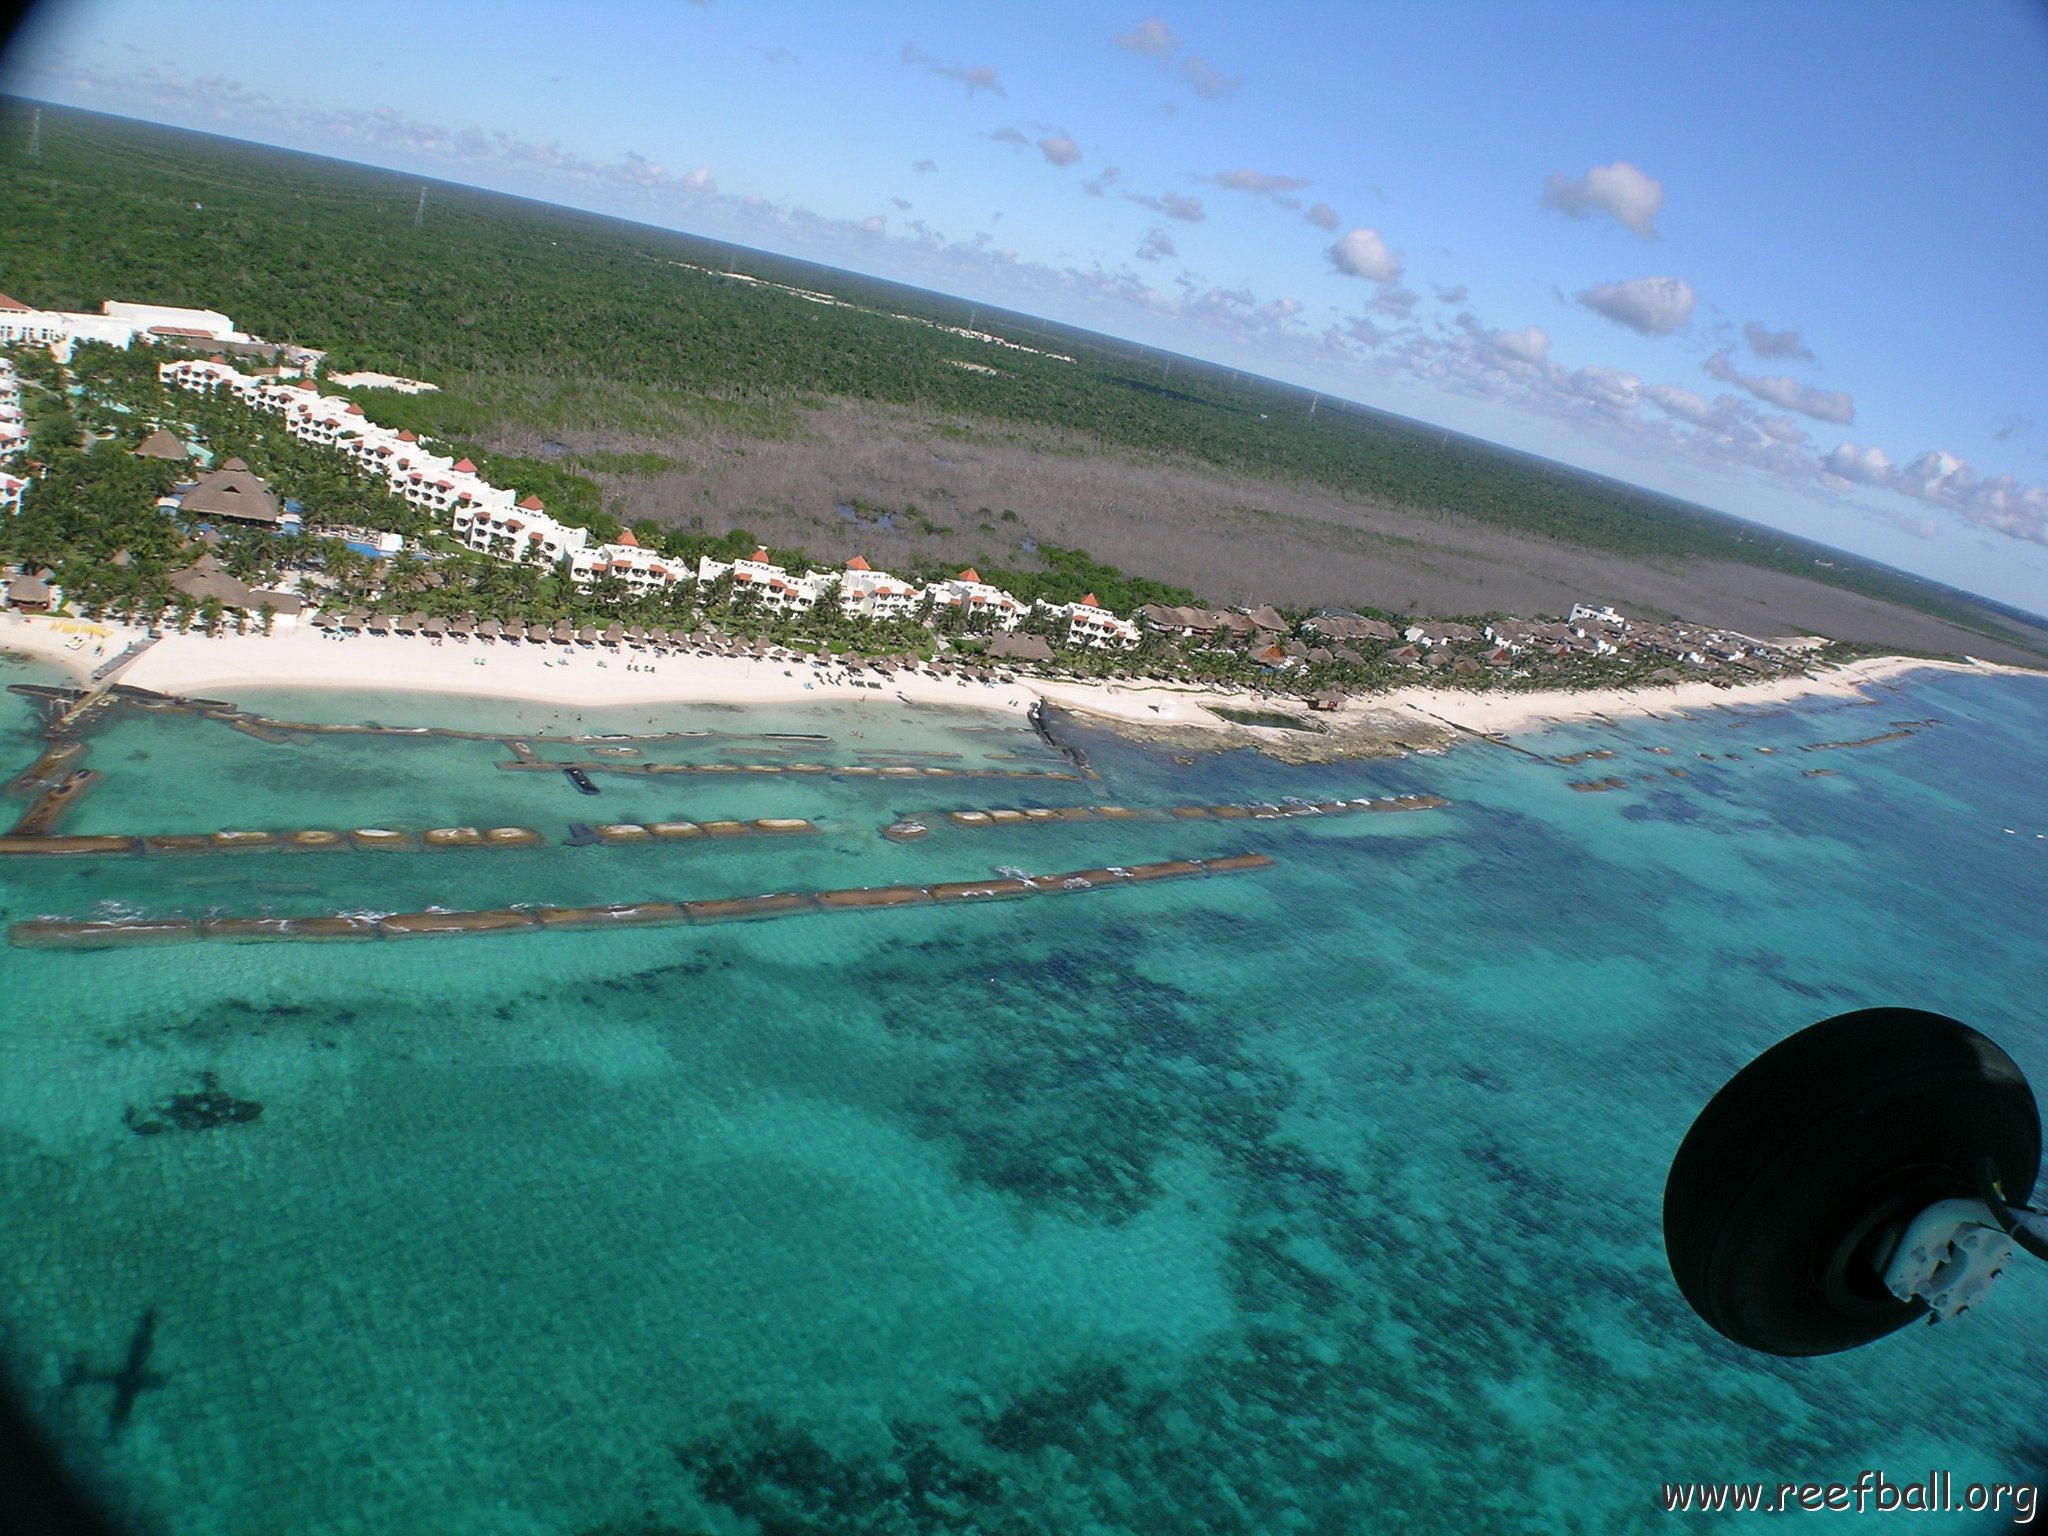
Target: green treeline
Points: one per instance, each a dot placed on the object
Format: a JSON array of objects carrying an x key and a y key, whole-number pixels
[{"x": 536, "y": 319}]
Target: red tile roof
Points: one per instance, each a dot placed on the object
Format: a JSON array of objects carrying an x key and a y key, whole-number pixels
[
  {"x": 970, "y": 574},
  {"x": 408, "y": 436},
  {"x": 1088, "y": 600},
  {"x": 7, "y": 303},
  {"x": 857, "y": 563},
  {"x": 531, "y": 504},
  {"x": 760, "y": 556},
  {"x": 462, "y": 466},
  {"x": 626, "y": 538}
]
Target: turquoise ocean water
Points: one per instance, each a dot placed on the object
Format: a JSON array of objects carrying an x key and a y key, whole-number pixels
[{"x": 1321, "y": 1199}]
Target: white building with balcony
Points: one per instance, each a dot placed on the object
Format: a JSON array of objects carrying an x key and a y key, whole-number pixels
[
  {"x": 642, "y": 570},
  {"x": 1092, "y": 625},
  {"x": 774, "y": 589},
  {"x": 866, "y": 593},
  {"x": 982, "y": 605}
]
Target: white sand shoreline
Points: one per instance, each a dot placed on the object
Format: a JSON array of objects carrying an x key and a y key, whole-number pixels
[{"x": 594, "y": 677}]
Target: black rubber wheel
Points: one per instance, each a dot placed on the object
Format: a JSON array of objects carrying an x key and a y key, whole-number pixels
[{"x": 1795, "y": 1179}]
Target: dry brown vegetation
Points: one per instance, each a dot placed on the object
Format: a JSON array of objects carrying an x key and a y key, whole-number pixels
[{"x": 1231, "y": 538}]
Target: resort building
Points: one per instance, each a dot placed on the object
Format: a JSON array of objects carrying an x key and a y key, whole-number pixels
[
  {"x": 979, "y": 603},
  {"x": 161, "y": 444},
  {"x": 118, "y": 324},
  {"x": 1092, "y": 625},
  {"x": 11, "y": 487},
  {"x": 13, "y": 421},
  {"x": 31, "y": 593},
  {"x": 773, "y": 588},
  {"x": 233, "y": 493},
  {"x": 486, "y": 519},
  {"x": 866, "y": 593},
  {"x": 524, "y": 534},
  {"x": 642, "y": 570}
]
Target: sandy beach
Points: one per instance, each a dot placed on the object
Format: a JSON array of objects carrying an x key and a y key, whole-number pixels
[{"x": 595, "y": 676}]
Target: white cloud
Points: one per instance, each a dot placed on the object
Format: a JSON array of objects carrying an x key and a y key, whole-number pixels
[
  {"x": 1456, "y": 295},
  {"x": 924, "y": 167},
  {"x": 1150, "y": 36},
  {"x": 1154, "y": 39},
  {"x": 1864, "y": 466},
  {"x": 1260, "y": 184},
  {"x": 1656, "y": 306},
  {"x": 1531, "y": 344},
  {"x": 1620, "y": 191},
  {"x": 1100, "y": 185},
  {"x": 1174, "y": 205},
  {"x": 1060, "y": 149},
  {"x": 1782, "y": 429},
  {"x": 1324, "y": 217},
  {"x": 1157, "y": 243},
  {"x": 1831, "y": 405},
  {"x": 700, "y": 180},
  {"x": 875, "y": 224},
  {"x": 1362, "y": 253},
  {"x": 1014, "y": 137},
  {"x": 976, "y": 77},
  {"x": 1768, "y": 343},
  {"x": 1608, "y": 387},
  {"x": 1682, "y": 403},
  {"x": 1209, "y": 84},
  {"x": 1397, "y": 303}
]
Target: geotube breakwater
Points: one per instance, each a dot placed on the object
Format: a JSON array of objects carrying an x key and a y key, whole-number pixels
[{"x": 124, "y": 933}]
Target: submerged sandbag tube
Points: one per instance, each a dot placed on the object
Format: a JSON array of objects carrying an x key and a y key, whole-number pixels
[
  {"x": 391, "y": 839},
  {"x": 832, "y": 770},
  {"x": 1261, "y": 811},
  {"x": 123, "y": 933}
]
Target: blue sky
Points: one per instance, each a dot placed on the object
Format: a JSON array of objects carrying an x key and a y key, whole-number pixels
[{"x": 1785, "y": 260}]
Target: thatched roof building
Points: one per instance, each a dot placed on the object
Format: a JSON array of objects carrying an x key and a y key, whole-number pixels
[{"x": 234, "y": 493}]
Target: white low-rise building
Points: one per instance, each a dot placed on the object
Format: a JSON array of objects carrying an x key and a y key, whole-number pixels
[
  {"x": 1092, "y": 625},
  {"x": 772, "y": 587},
  {"x": 866, "y": 593},
  {"x": 523, "y": 534},
  {"x": 642, "y": 570},
  {"x": 978, "y": 602},
  {"x": 118, "y": 324},
  {"x": 11, "y": 487}
]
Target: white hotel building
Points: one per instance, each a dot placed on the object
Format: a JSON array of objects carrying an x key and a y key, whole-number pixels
[
  {"x": 487, "y": 519},
  {"x": 978, "y": 601},
  {"x": 118, "y": 324},
  {"x": 773, "y": 587},
  {"x": 866, "y": 593},
  {"x": 1092, "y": 625}
]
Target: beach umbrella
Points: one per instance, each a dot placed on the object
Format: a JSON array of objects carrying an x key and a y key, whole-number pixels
[
  {"x": 635, "y": 635},
  {"x": 614, "y": 632},
  {"x": 565, "y": 632},
  {"x": 537, "y": 632},
  {"x": 587, "y": 635},
  {"x": 379, "y": 624},
  {"x": 433, "y": 626}
]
